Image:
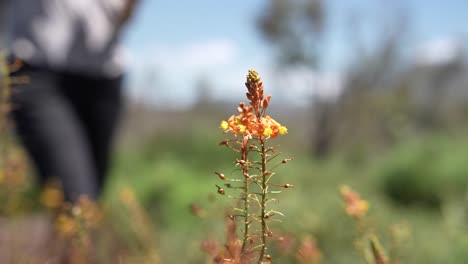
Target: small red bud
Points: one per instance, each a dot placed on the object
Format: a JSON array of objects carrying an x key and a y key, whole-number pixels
[
  {"x": 220, "y": 190},
  {"x": 221, "y": 176}
]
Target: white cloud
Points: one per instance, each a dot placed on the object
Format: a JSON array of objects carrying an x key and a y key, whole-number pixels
[
  {"x": 294, "y": 86},
  {"x": 300, "y": 84},
  {"x": 439, "y": 51},
  {"x": 191, "y": 56},
  {"x": 212, "y": 53},
  {"x": 178, "y": 68}
]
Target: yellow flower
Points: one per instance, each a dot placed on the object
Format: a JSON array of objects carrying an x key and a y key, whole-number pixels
[
  {"x": 242, "y": 128},
  {"x": 267, "y": 132},
  {"x": 237, "y": 121},
  {"x": 224, "y": 125},
  {"x": 282, "y": 130}
]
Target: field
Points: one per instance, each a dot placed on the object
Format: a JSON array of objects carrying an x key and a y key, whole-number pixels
[
  {"x": 429, "y": 205},
  {"x": 177, "y": 193},
  {"x": 161, "y": 201}
]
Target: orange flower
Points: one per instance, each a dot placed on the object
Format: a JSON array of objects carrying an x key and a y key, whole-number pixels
[
  {"x": 248, "y": 125},
  {"x": 309, "y": 252},
  {"x": 251, "y": 120},
  {"x": 355, "y": 206}
]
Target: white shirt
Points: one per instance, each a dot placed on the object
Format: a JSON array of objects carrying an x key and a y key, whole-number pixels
[{"x": 71, "y": 35}]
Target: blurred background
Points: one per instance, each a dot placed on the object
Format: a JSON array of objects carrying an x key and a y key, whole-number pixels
[{"x": 374, "y": 94}]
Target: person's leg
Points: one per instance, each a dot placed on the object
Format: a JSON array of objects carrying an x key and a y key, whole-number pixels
[
  {"x": 52, "y": 134},
  {"x": 98, "y": 102}
]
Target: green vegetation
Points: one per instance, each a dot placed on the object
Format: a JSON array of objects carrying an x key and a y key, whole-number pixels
[{"x": 170, "y": 173}]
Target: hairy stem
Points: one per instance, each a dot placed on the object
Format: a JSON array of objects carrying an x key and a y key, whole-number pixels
[
  {"x": 245, "y": 171},
  {"x": 5, "y": 96},
  {"x": 263, "y": 201}
]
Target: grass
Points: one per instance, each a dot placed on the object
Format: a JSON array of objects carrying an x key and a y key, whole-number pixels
[
  {"x": 172, "y": 173},
  {"x": 168, "y": 178}
]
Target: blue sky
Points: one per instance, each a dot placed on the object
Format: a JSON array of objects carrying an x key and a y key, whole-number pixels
[{"x": 172, "y": 44}]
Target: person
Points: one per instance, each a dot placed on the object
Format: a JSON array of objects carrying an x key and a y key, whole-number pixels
[{"x": 66, "y": 115}]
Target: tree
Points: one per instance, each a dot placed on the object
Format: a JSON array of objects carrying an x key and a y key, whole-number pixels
[{"x": 293, "y": 28}]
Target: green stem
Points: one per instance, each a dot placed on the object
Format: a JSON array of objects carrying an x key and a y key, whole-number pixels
[
  {"x": 245, "y": 171},
  {"x": 5, "y": 97},
  {"x": 263, "y": 202}
]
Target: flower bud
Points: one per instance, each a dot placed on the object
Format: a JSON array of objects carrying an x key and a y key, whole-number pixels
[
  {"x": 221, "y": 176},
  {"x": 220, "y": 190}
]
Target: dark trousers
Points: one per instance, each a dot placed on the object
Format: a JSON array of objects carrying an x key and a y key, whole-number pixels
[{"x": 66, "y": 123}]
